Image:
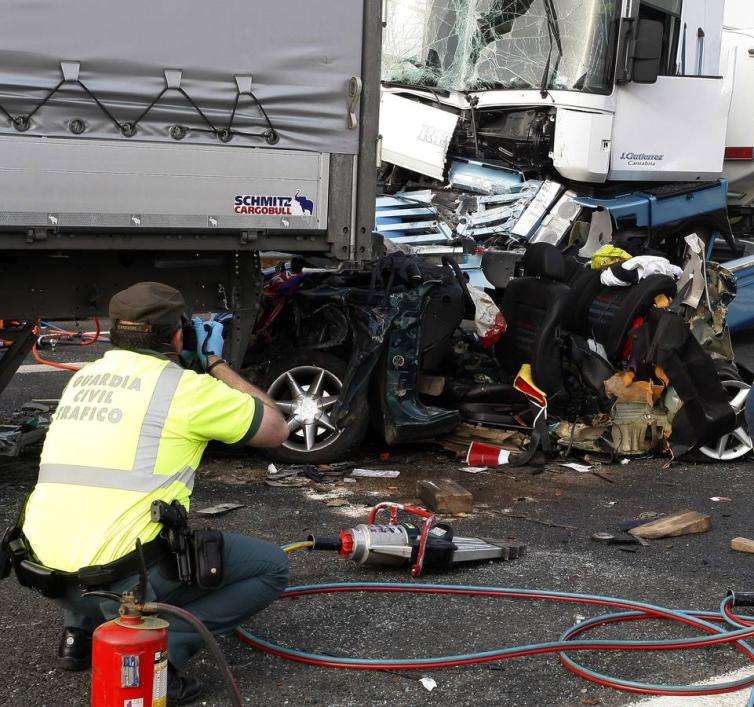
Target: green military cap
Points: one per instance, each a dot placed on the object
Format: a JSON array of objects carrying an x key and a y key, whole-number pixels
[{"x": 151, "y": 303}]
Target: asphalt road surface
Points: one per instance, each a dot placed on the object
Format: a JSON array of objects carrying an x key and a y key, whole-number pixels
[{"x": 560, "y": 510}]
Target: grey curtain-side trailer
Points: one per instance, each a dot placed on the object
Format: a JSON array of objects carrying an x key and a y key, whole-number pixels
[{"x": 174, "y": 141}]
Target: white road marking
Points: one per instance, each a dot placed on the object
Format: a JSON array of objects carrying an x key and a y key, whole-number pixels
[
  {"x": 39, "y": 368},
  {"x": 733, "y": 699}
]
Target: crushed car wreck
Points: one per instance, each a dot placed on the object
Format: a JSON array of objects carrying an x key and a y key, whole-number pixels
[
  {"x": 394, "y": 346},
  {"x": 353, "y": 344}
]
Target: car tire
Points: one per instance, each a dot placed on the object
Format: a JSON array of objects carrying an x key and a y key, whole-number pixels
[
  {"x": 738, "y": 444},
  {"x": 312, "y": 441}
]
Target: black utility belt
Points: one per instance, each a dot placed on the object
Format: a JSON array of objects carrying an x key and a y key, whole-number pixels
[
  {"x": 193, "y": 557},
  {"x": 54, "y": 583}
]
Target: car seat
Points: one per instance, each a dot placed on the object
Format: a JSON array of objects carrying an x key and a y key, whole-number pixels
[
  {"x": 534, "y": 307},
  {"x": 606, "y": 314}
]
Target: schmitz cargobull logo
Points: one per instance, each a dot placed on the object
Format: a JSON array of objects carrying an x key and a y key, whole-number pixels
[{"x": 267, "y": 205}]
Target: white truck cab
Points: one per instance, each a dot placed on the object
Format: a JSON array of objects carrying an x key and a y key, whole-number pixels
[{"x": 598, "y": 90}]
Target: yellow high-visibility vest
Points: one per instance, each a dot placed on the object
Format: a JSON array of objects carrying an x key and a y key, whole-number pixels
[{"x": 130, "y": 428}]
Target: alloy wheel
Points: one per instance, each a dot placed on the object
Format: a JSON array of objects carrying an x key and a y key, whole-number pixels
[
  {"x": 306, "y": 395},
  {"x": 737, "y": 443}
]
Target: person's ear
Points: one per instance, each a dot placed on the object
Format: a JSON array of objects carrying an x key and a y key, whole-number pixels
[{"x": 176, "y": 340}]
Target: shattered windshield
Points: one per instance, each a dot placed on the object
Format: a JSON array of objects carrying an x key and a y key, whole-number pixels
[{"x": 504, "y": 44}]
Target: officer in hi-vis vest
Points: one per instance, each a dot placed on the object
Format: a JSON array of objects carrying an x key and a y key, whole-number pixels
[{"x": 130, "y": 430}]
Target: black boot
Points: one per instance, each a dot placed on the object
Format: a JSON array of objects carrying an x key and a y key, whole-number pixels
[
  {"x": 75, "y": 649},
  {"x": 182, "y": 690}
]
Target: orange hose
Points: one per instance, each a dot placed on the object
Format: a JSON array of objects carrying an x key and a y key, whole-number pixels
[
  {"x": 38, "y": 358},
  {"x": 45, "y": 362},
  {"x": 65, "y": 366}
]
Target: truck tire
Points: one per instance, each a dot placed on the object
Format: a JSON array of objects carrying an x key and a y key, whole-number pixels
[{"x": 315, "y": 438}]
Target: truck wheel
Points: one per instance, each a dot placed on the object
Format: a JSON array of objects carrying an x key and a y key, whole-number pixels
[{"x": 306, "y": 386}]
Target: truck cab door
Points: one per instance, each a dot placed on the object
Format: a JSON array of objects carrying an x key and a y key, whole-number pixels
[{"x": 669, "y": 125}]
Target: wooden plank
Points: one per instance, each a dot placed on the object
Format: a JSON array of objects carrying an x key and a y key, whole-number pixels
[
  {"x": 742, "y": 545},
  {"x": 508, "y": 439},
  {"x": 683, "y": 523},
  {"x": 445, "y": 496}
]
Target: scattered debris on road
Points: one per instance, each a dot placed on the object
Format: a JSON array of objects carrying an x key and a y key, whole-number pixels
[
  {"x": 445, "y": 496},
  {"x": 742, "y": 545},
  {"x": 375, "y": 473},
  {"x": 683, "y": 523},
  {"x": 220, "y": 509},
  {"x": 429, "y": 684}
]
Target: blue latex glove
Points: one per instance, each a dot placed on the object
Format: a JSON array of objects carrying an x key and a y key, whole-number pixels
[
  {"x": 209, "y": 339},
  {"x": 190, "y": 360}
]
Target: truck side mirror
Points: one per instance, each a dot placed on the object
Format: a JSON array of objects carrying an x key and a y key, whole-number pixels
[{"x": 647, "y": 51}]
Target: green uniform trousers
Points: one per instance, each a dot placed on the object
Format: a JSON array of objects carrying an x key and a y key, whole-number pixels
[{"x": 254, "y": 574}]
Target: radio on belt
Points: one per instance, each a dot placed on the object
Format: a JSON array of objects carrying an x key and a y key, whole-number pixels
[{"x": 395, "y": 544}]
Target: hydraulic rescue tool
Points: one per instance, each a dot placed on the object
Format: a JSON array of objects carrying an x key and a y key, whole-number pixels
[{"x": 431, "y": 545}]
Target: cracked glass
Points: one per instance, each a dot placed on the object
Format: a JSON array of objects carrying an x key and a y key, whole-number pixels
[{"x": 469, "y": 45}]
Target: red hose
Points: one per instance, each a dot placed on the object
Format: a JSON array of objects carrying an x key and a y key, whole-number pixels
[
  {"x": 737, "y": 619},
  {"x": 96, "y": 334}
]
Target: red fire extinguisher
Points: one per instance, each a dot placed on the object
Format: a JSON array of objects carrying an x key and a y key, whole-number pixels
[
  {"x": 130, "y": 662},
  {"x": 130, "y": 653}
]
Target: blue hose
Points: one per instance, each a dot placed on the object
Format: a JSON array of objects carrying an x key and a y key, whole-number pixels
[
  {"x": 568, "y": 642},
  {"x": 50, "y": 325}
]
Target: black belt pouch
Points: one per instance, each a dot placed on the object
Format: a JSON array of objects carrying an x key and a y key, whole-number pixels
[{"x": 207, "y": 548}]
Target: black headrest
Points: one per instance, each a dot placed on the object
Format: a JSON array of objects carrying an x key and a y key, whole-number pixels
[
  {"x": 545, "y": 261},
  {"x": 499, "y": 267}
]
